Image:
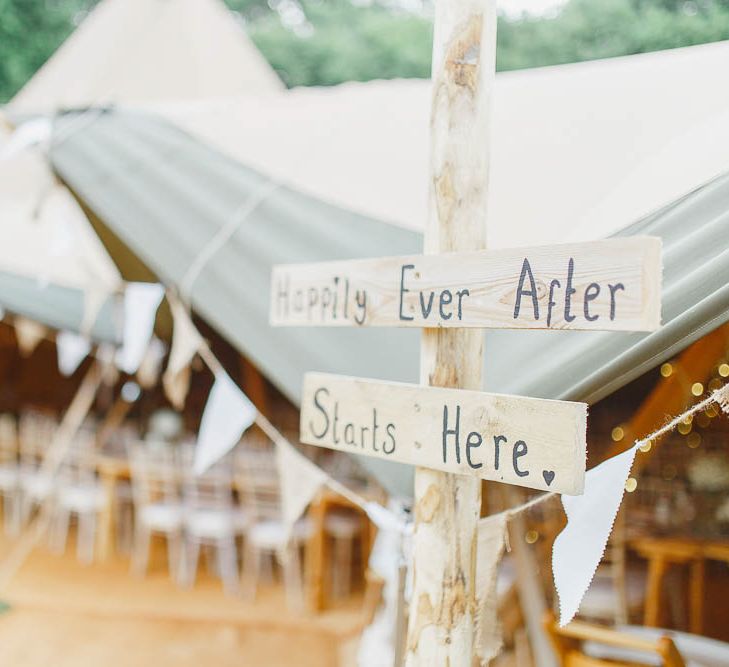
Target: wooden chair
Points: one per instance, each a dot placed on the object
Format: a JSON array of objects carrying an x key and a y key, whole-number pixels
[
  {"x": 36, "y": 431},
  {"x": 259, "y": 483},
  {"x": 344, "y": 526},
  {"x": 9, "y": 473},
  {"x": 569, "y": 645},
  {"x": 210, "y": 518},
  {"x": 158, "y": 507},
  {"x": 77, "y": 493}
]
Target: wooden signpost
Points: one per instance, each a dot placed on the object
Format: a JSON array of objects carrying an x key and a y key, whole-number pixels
[
  {"x": 602, "y": 285},
  {"x": 454, "y": 433},
  {"x": 523, "y": 441}
]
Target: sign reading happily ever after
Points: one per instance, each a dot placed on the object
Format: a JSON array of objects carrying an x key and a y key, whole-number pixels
[
  {"x": 530, "y": 442},
  {"x": 613, "y": 284}
]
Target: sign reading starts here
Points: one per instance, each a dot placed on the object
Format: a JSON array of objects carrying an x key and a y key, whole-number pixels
[
  {"x": 530, "y": 442},
  {"x": 613, "y": 284}
]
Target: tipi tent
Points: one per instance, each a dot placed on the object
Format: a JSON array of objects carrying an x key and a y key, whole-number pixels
[
  {"x": 142, "y": 50},
  {"x": 52, "y": 266},
  {"x": 323, "y": 174},
  {"x": 578, "y": 151},
  {"x": 184, "y": 197}
]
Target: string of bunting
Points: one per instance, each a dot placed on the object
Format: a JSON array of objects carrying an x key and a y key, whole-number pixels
[
  {"x": 578, "y": 549},
  {"x": 229, "y": 413},
  {"x": 590, "y": 516},
  {"x": 719, "y": 397}
]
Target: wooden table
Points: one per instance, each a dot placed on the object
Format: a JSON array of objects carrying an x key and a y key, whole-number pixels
[
  {"x": 111, "y": 470},
  {"x": 661, "y": 554},
  {"x": 317, "y": 556}
]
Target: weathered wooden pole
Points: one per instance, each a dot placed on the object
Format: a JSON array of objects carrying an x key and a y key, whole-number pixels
[{"x": 443, "y": 607}]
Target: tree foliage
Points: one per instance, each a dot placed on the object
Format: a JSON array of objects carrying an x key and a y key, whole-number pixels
[
  {"x": 325, "y": 42},
  {"x": 342, "y": 42},
  {"x": 30, "y": 30},
  {"x": 590, "y": 29}
]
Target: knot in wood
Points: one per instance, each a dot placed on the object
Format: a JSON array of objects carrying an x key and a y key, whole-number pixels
[
  {"x": 463, "y": 54},
  {"x": 427, "y": 505}
]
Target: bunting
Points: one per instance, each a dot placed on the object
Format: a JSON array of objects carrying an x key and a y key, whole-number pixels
[
  {"x": 228, "y": 413},
  {"x": 578, "y": 549},
  {"x": 300, "y": 482},
  {"x": 141, "y": 301},
  {"x": 491, "y": 543},
  {"x": 186, "y": 342},
  {"x": 29, "y": 333},
  {"x": 149, "y": 368},
  {"x": 72, "y": 349}
]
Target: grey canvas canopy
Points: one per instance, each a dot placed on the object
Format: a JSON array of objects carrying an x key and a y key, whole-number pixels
[
  {"x": 167, "y": 195},
  {"x": 58, "y": 307}
]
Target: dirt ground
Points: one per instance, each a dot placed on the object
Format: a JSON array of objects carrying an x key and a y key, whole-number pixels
[{"x": 62, "y": 614}]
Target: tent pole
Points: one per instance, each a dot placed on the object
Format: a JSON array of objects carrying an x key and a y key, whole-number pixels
[
  {"x": 113, "y": 420},
  {"x": 443, "y": 606},
  {"x": 529, "y": 587}
]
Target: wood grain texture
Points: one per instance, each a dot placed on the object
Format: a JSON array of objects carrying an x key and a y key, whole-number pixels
[
  {"x": 609, "y": 285},
  {"x": 528, "y": 442},
  {"x": 441, "y": 622}
]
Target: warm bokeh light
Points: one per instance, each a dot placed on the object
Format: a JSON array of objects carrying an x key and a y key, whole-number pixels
[
  {"x": 666, "y": 370},
  {"x": 631, "y": 484},
  {"x": 702, "y": 419},
  {"x": 697, "y": 389},
  {"x": 724, "y": 370},
  {"x": 618, "y": 434},
  {"x": 693, "y": 440},
  {"x": 646, "y": 447},
  {"x": 531, "y": 537}
]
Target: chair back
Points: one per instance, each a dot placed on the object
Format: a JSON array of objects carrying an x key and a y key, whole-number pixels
[
  {"x": 78, "y": 467},
  {"x": 212, "y": 490},
  {"x": 154, "y": 473},
  {"x": 36, "y": 431},
  {"x": 568, "y": 643},
  {"x": 259, "y": 482}
]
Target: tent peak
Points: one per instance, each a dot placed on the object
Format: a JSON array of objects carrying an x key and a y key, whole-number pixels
[{"x": 149, "y": 50}]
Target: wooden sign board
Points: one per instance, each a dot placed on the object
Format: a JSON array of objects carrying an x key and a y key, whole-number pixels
[
  {"x": 530, "y": 442},
  {"x": 614, "y": 284}
]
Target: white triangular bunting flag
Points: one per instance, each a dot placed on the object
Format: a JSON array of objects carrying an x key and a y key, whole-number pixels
[
  {"x": 149, "y": 369},
  {"x": 377, "y": 645},
  {"x": 186, "y": 341},
  {"x": 72, "y": 349},
  {"x": 29, "y": 333},
  {"x": 228, "y": 413},
  {"x": 94, "y": 298},
  {"x": 579, "y": 547},
  {"x": 384, "y": 518},
  {"x": 491, "y": 541},
  {"x": 300, "y": 481},
  {"x": 141, "y": 301}
]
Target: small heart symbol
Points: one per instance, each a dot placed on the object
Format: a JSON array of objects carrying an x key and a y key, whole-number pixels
[{"x": 548, "y": 476}]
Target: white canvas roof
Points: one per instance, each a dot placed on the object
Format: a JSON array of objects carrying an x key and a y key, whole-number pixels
[
  {"x": 125, "y": 51},
  {"x": 181, "y": 195},
  {"x": 579, "y": 151},
  {"x": 44, "y": 234},
  {"x": 141, "y": 50}
]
